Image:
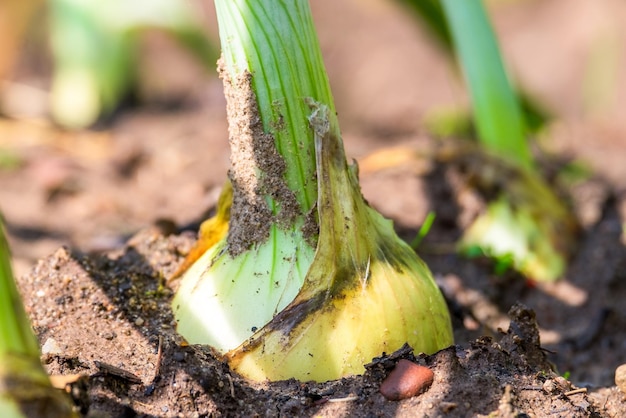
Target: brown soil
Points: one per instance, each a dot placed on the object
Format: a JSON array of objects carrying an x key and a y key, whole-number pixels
[
  {"x": 101, "y": 301},
  {"x": 112, "y": 310}
]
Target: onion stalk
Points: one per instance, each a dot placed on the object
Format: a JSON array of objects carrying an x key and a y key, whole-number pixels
[
  {"x": 309, "y": 282},
  {"x": 25, "y": 389}
]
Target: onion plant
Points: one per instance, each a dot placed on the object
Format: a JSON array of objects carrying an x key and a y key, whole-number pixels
[
  {"x": 25, "y": 389},
  {"x": 525, "y": 223},
  {"x": 308, "y": 282},
  {"x": 94, "y": 46}
]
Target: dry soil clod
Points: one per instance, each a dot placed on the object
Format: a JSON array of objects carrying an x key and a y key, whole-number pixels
[{"x": 620, "y": 378}]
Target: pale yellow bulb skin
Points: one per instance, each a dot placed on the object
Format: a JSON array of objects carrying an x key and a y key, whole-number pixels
[{"x": 389, "y": 310}]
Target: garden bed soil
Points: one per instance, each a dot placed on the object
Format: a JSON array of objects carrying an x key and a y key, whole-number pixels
[{"x": 105, "y": 321}]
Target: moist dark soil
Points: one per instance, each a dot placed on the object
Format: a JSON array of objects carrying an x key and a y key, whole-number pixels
[{"x": 98, "y": 220}]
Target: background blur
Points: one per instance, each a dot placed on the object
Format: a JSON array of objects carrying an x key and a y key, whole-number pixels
[{"x": 113, "y": 118}]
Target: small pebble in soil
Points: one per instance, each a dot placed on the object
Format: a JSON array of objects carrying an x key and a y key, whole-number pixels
[
  {"x": 125, "y": 286},
  {"x": 549, "y": 386},
  {"x": 407, "y": 379},
  {"x": 139, "y": 321},
  {"x": 620, "y": 378},
  {"x": 447, "y": 407},
  {"x": 51, "y": 347},
  {"x": 562, "y": 383},
  {"x": 109, "y": 335}
]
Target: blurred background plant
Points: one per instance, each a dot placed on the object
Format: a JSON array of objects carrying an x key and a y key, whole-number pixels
[
  {"x": 94, "y": 50},
  {"x": 524, "y": 224},
  {"x": 448, "y": 122}
]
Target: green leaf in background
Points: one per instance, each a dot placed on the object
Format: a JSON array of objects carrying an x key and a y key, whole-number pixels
[
  {"x": 94, "y": 45},
  {"x": 9, "y": 160},
  {"x": 431, "y": 15},
  {"x": 499, "y": 120}
]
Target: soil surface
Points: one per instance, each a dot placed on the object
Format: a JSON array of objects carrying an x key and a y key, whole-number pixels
[{"x": 99, "y": 219}]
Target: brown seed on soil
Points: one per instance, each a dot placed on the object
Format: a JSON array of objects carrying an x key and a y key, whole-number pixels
[
  {"x": 620, "y": 378},
  {"x": 406, "y": 380}
]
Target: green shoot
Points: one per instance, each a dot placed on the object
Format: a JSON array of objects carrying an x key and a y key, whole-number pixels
[
  {"x": 431, "y": 14},
  {"x": 424, "y": 229},
  {"x": 499, "y": 121}
]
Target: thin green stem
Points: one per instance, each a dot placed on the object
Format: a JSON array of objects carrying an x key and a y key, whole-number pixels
[{"x": 497, "y": 113}]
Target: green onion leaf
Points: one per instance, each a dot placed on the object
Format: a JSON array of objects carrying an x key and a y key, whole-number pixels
[{"x": 499, "y": 121}]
